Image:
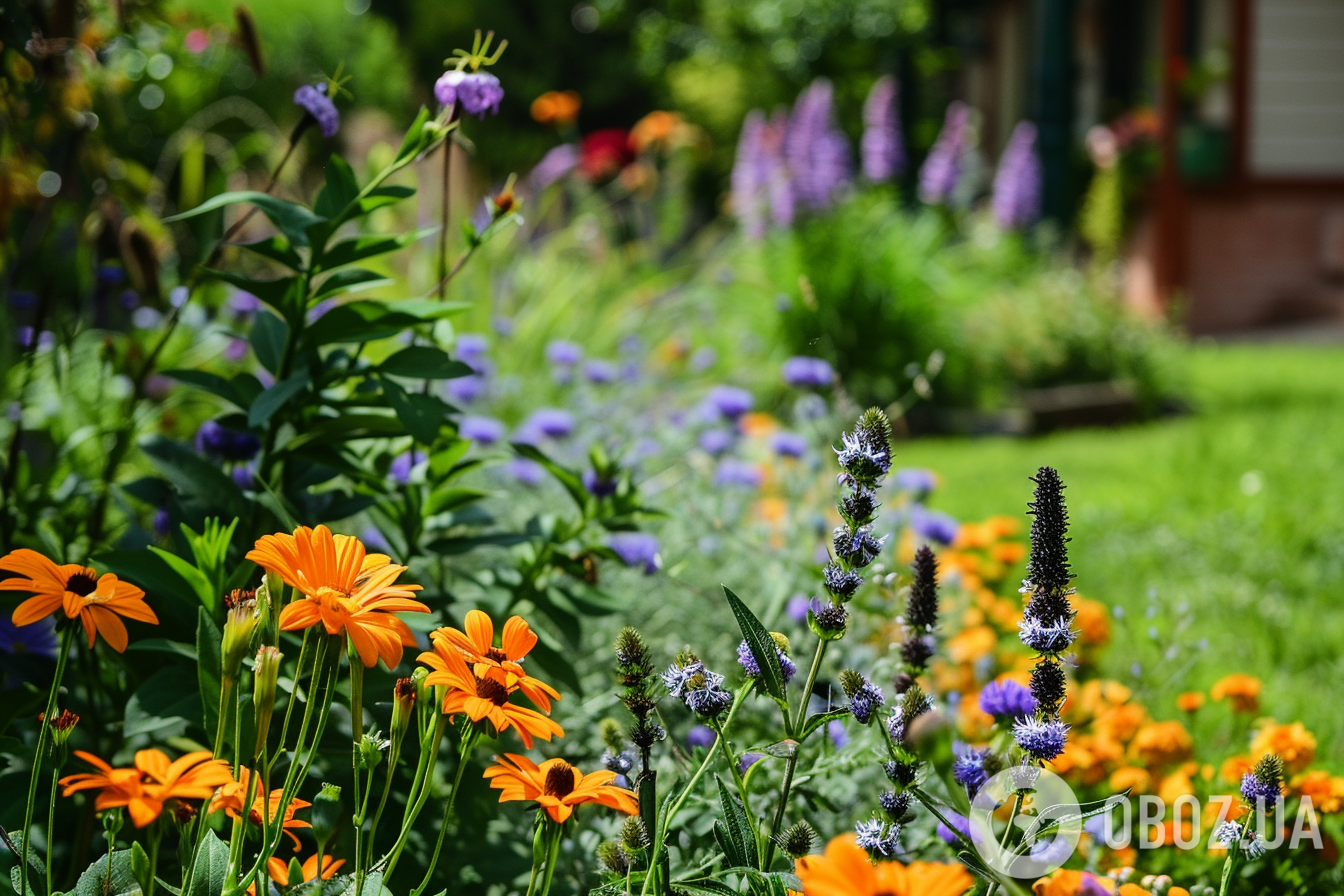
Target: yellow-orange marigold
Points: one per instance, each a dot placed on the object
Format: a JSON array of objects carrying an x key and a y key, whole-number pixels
[
  {"x": 1292, "y": 743},
  {"x": 1241, "y": 689},
  {"x": 1325, "y": 790},
  {"x": 1190, "y": 701},
  {"x": 1162, "y": 743},
  {"x": 845, "y": 870}
]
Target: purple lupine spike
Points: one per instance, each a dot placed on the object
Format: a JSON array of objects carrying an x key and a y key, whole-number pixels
[
  {"x": 779, "y": 184},
  {"x": 816, "y": 150},
  {"x": 942, "y": 169},
  {"x": 750, "y": 170},
  {"x": 1017, "y": 183},
  {"x": 883, "y": 156}
]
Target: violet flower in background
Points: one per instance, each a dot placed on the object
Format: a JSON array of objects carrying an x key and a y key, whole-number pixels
[
  {"x": 314, "y": 101},
  {"x": 219, "y": 443},
  {"x": 403, "y": 464},
  {"x": 942, "y": 169},
  {"x": 729, "y": 401},
  {"x": 797, "y": 608},
  {"x": 788, "y": 444},
  {"x": 525, "y": 472},
  {"x": 481, "y": 430},
  {"x": 597, "y": 485},
  {"x": 962, "y": 824},
  {"x": 473, "y": 350},
  {"x": 883, "y": 156},
  {"x": 815, "y": 149},
  {"x": 715, "y": 441},
  {"x": 562, "y": 353},
  {"x": 917, "y": 481},
  {"x": 1017, "y": 182},
  {"x": 761, "y": 183},
  {"x": 476, "y": 92},
  {"x": 558, "y": 162},
  {"x": 700, "y": 736},
  {"x": 808, "y": 373},
  {"x": 932, "y": 525},
  {"x": 637, "y": 549},
  {"x": 37, "y": 639},
  {"x": 747, "y": 760},
  {"x": 738, "y": 473},
  {"x": 599, "y": 372},
  {"x": 465, "y": 389},
  {"x": 551, "y": 423},
  {"x": 1007, "y": 700}
]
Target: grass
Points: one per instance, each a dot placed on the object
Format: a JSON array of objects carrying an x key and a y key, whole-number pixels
[{"x": 1218, "y": 535}]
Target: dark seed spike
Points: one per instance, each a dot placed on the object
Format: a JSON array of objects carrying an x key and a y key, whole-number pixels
[
  {"x": 1048, "y": 686},
  {"x": 1048, "y": 563},
  {"x": 921, "y": 607}
]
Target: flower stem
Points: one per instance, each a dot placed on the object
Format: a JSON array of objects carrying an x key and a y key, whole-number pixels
[
  {"x": 51, "y": 822},
  {"x": 464, "y": 755},
  {"x": 415, "y": 800},
  {"x": 357, "y": 733},
  {"x": 552, "y": 855},
  {"x": 43, "y": 727},
  {"x": 1229, "y": 867},
  {"x": 791, "y": 763}
]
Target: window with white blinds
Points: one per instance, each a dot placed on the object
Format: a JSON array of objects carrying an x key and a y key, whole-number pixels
[{"x": 1297, "y": 88}]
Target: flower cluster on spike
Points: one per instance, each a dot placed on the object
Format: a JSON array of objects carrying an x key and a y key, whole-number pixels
[
  {"x": 1047, "y": 621},
  {"x": 634, "y": 672}
]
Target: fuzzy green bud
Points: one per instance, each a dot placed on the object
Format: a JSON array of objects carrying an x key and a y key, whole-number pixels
[
  {"x": 237, "y": 640},
  {"x": 613, "y": 858},
  {"x": 265, "y": 675},
  {"x": 326, "y": 814},
  {"x": 371, "y": 747},
  {"x": 403, "y": 707}
]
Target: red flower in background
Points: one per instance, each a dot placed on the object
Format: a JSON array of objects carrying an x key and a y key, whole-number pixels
[{"x": 602, "y": 154}]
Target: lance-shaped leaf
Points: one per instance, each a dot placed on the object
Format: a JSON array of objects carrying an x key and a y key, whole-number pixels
[
  {"x": 290, "y": 218},
  {"x": 760, "y": 643}
]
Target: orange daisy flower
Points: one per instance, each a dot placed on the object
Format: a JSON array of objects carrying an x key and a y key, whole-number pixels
[
  {"x": 485, "y": 698},
  {"x": 557, "y": 786},
  {"x": 96, "y": 601},
  {"x": 477, "y": 646},
  {"x": 278, "y": 869},
  {"x": 246, "y": 791},
  {"x": 845, "y": 870},
  {"x": 152, "y": 782},
  {"x": 347, "y": 589}
]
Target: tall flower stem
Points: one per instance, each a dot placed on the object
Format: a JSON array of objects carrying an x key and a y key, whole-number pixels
[
  {"x": 357, "y": 734},
  {"x": 51, "y": 822},
  {"x": 415, "y": 800},
  {"x": 66, "y": 637},
  {"x": 464, "y": 755},
  {"x": 1003, "y": 840},
  {"x": 791, "y": 763},
  {"x": 1229, "y": 868},
  {"x": 444, "y": 214},
  {"x": 552, "y": 856}
]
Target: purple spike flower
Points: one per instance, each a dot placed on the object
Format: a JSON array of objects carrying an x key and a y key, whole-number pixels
[
  {"x": 815, "y": 149},
  {"x": 1007, "y": 699},
  {"x": 314, "y": 101},
  {"x": 700, "y": 736},
  {"x": 750, "y": 169},
  {"x": 558, "y": 161},
  {"x": 637, "y": 549},
  {"x": 881, "y": 149},
  {"x": 942, "y": 169},
  {"x": 481, "y": 430},
  {"x": 809, "y": 373},
  {"x": 476, "y": 92},
  {"x": 1017, "y": 183}
]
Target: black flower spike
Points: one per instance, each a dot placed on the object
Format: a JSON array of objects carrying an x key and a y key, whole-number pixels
[
  {"x": 902, "y": 773},
  {"x": 859, "y": 506},
  {"x": 1269, "y": 771},
  {"x": 921, "y": 607},
  {"x": 1048, "y": 686},
  {"x": 1048, "y": 563},
  {"x": 915, "y": 651}
]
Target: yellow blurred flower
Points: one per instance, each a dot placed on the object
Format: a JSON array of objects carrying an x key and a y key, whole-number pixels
[
  {"x": 1175, "y": 785},
  {"x": 1190, "y": 701},
  {"x": 1093, "y": 622},
  {"x": 1100, "y": 694},
  {"x": 971, "y": 644},
  {"x": 758, "y": 424},
  {"x": 1131, "y": 778},
  {"x": 658, "y": 130},
  {"x": 1325, "y": 790},
  {"x": 557, "y": 107},
  {"x": 1120, "y": 723},
  {"x": 1235, "y": 768},
  {"x": 1294, "y": 744},
  {"x": 1162, "y": 743},
  {"x": 1065, "y": 882},
  {"x": 1241, "y": 689}
]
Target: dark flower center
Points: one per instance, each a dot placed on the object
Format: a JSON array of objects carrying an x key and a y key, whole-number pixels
[
  {"x": 82, "y": 583},
  {"x": 496, "y": 654},
  {"x": 489, "y": 689},
  {"x": 559, "y": 780}
]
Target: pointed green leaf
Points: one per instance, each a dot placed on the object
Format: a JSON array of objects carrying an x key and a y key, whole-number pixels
[
  {"x": 209, "y": 671},
  {"x": 276, "y": 248},
  {"x": 191, "y": 575},
  {"x": 760, "y": 643},
  {"x": 290, "y": 218},
  {"x": 421, "y": 414},
  {"x": 734, "y": 833},
  {"x": 424, "y": 362},
  {"x": 348, "y": 281},
  {"x": 268, "y": 337},
  {"x": 340, "y": 188},
  {"x": 273, "y": 399}
]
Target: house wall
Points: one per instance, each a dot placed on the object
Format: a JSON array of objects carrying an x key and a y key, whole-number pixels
[{"x": 1264, "y": 257}]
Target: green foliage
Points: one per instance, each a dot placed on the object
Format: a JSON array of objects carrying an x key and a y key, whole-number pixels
[{"x": 875, "y": 289}]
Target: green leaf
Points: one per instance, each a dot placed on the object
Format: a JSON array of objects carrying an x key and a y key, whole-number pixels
[
  {"x": 95, "y": 880},
  {"x": 290, "y": 218},
  {"x": 461, "y": 544},
  {"x": 163, "y": 645},
  {"x": 276, "y": 248},
  {"x": 197, "y": 580},
  {"x": 1050, "y": 819},
  {"x": 706, "y": 885},
  {"x": 210, "y": 382},
  {"x": 762, "y": 646},
  {"x": 563, "y": 475},
  {"x": 733, "y": 832},
  {"x": 422, "y": 415},
  {"x": 36, "y": 870},
  {"x": 273, "y": 292},
  {"x": 447, "y": 499},
  {"x": 818, "y": 719},
  {"x": 211, "y": 868},
  {"x": 362, "y": 247},
  {"x": 340, "y": 188},
  {"x": 268, "y": 337},
  {"x": 274, "y": 398},
  {"x": 345, "y": 428},
  {"x": 209, "y": 671},
  {"x": 412, "y": 143},
  {"x": 352, "y": 280},
  {"x": 380, "y": 198},
  {"x": 362, "y": 321},
  {"x": 160, "y": 707},
  {"x": 424, "y": 362}
]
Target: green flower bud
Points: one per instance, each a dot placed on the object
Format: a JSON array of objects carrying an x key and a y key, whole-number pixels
[
  {"x": 237, "y": 641},
  {"x": 403, "y": 706},
  {"x": 112, "y": 821},
  {"x": 371, "y": 747},
  {"x": 325, "y": 814},
  {"x": 265, "y": 674}
]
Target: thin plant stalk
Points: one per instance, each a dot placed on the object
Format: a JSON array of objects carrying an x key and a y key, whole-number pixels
[
  {"x": 66, "y": 638},
  {"x": 464, "y": 756},
  {"x": 791, "y": 763}
]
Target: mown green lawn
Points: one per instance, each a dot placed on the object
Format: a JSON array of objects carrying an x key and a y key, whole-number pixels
[{"x": 1219, "y": 534}]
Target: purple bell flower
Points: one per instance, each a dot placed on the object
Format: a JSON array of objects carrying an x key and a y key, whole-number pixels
[
  {"x": 942, "y": 169},
  {"x": 883, "y": 156},
  {"x": 314, "y": 101},
  {"x": 1017, "y": 182},
  {"x": 637, "y": 550},
  {"x": 476, "y": 92}
]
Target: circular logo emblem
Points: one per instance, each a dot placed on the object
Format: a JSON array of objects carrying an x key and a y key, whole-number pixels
[{"x": 1048, "y": 822}]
